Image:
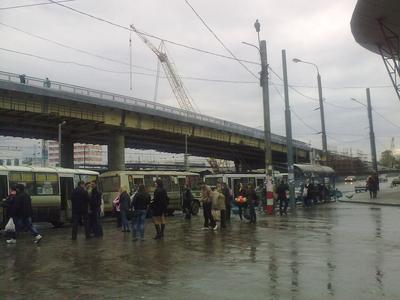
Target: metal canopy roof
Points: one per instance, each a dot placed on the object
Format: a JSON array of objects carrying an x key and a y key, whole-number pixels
[
  {"x": 365, "y": 22},
  {"x": 315, "y": 169}
]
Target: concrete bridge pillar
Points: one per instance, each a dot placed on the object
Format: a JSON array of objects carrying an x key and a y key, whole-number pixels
[
  {"x": 116, "y": 152},
  {"x": 67, "y": 152}
]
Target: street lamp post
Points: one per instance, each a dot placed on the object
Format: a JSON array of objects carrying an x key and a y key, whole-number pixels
[
  {"x": 60, "y": 142},
  {"x": 321, "y": 104},
  {"x": 371, "y": 129}
]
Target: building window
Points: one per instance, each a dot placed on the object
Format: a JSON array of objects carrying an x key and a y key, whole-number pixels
[
  {"x": 16, "y": 162},
  {"x": 8, "y": 162}
]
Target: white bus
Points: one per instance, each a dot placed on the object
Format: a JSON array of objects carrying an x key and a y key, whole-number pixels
[
  {"x": 49, "y": 188},
  {"x": 173, "y": 182}
]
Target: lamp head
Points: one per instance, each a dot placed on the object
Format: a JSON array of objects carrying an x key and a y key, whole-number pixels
[
  {"x": 257, "y": 26},
  {"x": 296, "y": 60}
]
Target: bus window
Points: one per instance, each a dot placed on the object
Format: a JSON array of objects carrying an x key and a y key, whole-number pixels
[
  {"x": 46, "y": 184},
  {"x": 88, "y": 178},
  {"x": 166, "y": 180},
  {"x": 193, "y": 182},
  {"x": 213, "y": 181},
  {"x": 149, "y": 183},
  {"x": 260, "y": 182},
  {"x": 110, "y": 184},
  {"x": 134, "y": 183},
  {"x": 176, "y": 183},
  {"x": 24, "y": 178}
]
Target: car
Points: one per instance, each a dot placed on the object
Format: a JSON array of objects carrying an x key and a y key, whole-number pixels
[
  {"x": 350, "y": 179},
  {"x": 396, "y": 181}
]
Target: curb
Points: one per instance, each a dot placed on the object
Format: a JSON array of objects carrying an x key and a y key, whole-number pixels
[{"x": 370, "y": 203}]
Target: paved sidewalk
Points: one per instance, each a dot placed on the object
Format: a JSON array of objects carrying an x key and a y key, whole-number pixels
[{"x": 389, "y": 197}]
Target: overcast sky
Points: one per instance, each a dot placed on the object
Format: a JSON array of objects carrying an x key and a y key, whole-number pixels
[{"x": 313, "y": 30}]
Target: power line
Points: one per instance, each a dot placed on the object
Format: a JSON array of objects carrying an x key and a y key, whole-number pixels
[
  {"x": 219, "y": 40},
  {"x": 151, "y": 35},
  {"x": 121, "y": 72},
  {"x": 35, "y": 4},
  {"x": 62, "y": 61},
  {"x": 73, "y": 48}
]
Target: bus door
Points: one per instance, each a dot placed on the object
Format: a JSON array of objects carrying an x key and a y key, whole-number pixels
[
  {"x": 3, "y": 195},
  {"x": 66, "y": 188}
]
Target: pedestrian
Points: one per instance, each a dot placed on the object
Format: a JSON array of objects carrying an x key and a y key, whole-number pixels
[
  {"x": 187, "y": 200},
  {"x": 22, "y": 78},
  {"x": 80, "y": 207},
  {"x": 207, "y": 206},
  {"x": 22, "y": 214},
  {"x": 241, "y": 200},
  {"x": 140, "y": 205},
  {"x": 252, "y": 203},
  {"x": 159, "y": 207},
  {"x": 124, "y": 205},
  {"x": 260, "y": 191},
  {"x": 95, "y": 210},
  {"x": 228, "y": 199},
  {"x": 8, "y": 212},
  {"x": 116, "y": 211},
  {"x": 47, "y": 83},
  {"x": 281, "y": 190},
  {"x": 218, "y": 207}
]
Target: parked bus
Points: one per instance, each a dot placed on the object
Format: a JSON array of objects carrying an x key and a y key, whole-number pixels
[
  {"x": 173, "y": 182},
  {"x": 49, "y": 188}
]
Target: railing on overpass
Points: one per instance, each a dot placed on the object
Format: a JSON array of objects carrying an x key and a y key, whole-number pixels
[{"x": 74, "y": 89}]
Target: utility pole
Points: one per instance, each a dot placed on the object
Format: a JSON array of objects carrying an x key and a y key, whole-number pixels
[
  {"x": 186, "y": 159},
  {"x": 322, "y": 112},
  {"x": 371, "y": 132},
  {"x": 60, "y": 143},
  {"x": 267, "y": 122},
  {"x": 289, "y": 141}
]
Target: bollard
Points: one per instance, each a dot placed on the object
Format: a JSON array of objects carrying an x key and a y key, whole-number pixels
[{"x": 269, "y": 208}]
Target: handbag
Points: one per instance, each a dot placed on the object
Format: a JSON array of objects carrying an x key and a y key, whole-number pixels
[{"x": 10, "y": 226}]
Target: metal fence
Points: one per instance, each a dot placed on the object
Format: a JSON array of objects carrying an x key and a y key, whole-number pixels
[{"x": 78, "y": 90}]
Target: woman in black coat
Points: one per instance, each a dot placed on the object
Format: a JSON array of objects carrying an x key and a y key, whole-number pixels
[{"x": 159, "y": 209}]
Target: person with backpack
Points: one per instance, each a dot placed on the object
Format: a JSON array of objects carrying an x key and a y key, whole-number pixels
[
  {"x": 140, "y": 205},
  {"x": 159, "y": 207},
  {"x": 22, "y": 214}
]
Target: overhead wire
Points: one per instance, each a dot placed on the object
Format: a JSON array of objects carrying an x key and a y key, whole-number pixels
[
  {"x": 219, "y": 40},
  {"x": 30, "y": 5},
  {"x": 152, "y": 35}
]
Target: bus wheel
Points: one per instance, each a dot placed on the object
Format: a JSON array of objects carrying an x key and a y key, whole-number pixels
[
  {"x": 57, "y": 224},
  {"x": 170, "y": 212},
  {"x": 195, "y": 207}
]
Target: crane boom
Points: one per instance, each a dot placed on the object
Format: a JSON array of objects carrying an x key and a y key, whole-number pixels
[{"x": 174, "y": 80}]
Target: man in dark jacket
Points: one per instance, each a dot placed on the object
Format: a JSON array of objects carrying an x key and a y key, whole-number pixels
[
  {"x": 95, "y": 210},
  {"x": 22, "y": 213},
  {"x": 282, "y": 198},
  {"x": 80, "y": 206},
  {"x": 187, "y": 199},
  {"x": 228, "y": 198}
]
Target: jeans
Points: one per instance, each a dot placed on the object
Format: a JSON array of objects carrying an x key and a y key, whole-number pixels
[
  {"x": 76, "y": 218},
  {"x": 139, "y": 217},
  {"x": 95, "y": 223},
  {"x": 124, "y": 220},
  {"x": 223, "y": 218},
  {"x": 283, "y": 202},
  {"x": 253, "y": 217},
  {"x": 208, "y": 218},
  {"x": 26, "y": 223}
]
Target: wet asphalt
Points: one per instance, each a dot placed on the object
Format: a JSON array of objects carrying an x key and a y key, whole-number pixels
[{"x": 331, "y": 251}]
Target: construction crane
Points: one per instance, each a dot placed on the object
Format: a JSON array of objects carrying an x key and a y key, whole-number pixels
[{"x": 169, "y": 68}]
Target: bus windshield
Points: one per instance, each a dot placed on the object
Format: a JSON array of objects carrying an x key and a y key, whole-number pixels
[{"x": 213, "y": 181}]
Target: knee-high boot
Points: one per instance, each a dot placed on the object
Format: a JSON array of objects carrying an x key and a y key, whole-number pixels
[
  {"x": 158, "y": 232},
  {"x": 162, "y": 230}
]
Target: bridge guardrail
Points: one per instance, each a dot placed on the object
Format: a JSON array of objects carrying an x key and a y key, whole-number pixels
[{"x": 69, "y": 88}]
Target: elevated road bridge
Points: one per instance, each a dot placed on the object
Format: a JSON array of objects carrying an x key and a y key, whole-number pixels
[{"x": 33, "y": 109}]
